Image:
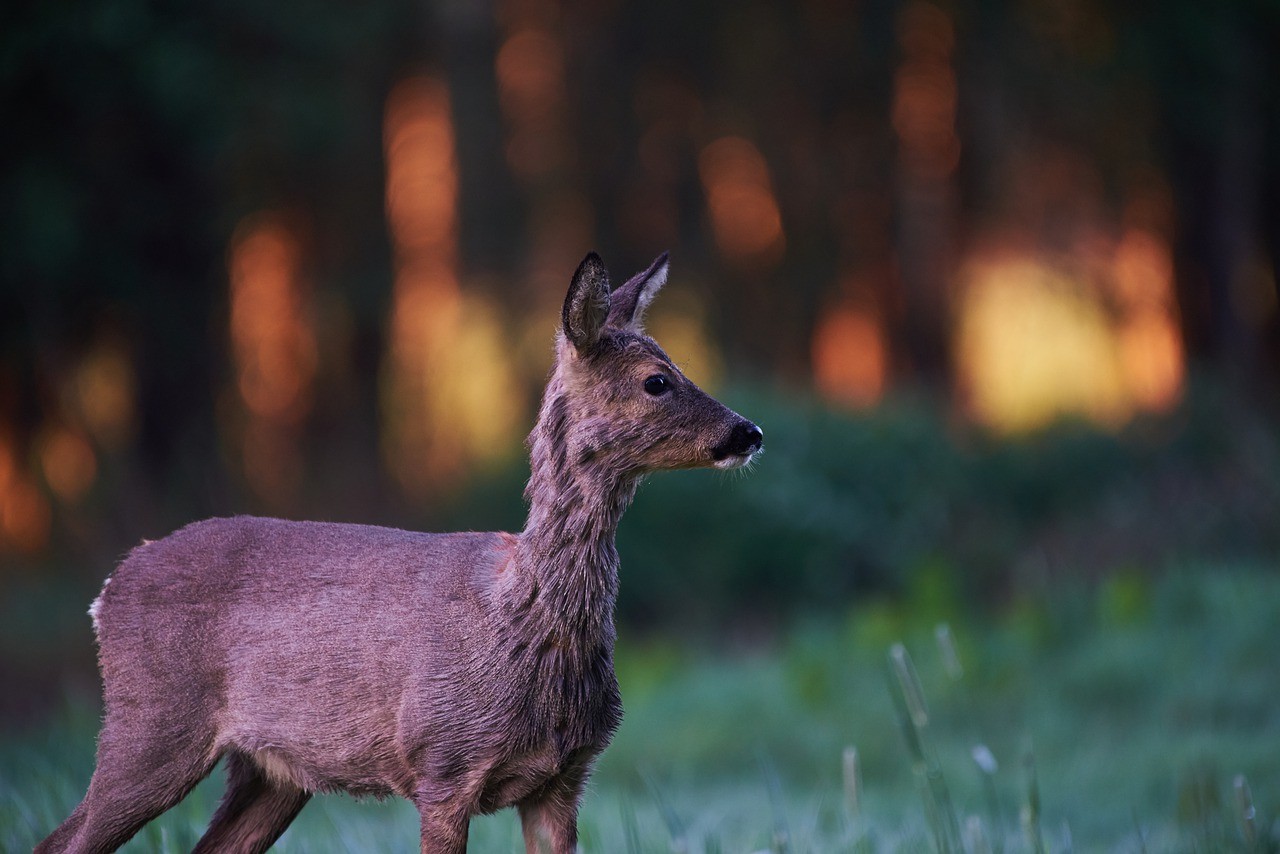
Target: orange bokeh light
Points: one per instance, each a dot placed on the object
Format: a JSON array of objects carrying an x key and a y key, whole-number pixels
[
  {"x": 744, "y": 213},
  {"x": 272, "y": 339},
  {"x": 1150, "y": 343},
  {"x": 24, "y": 512},
  {"x": 1152, "y": 360},
  {"x": 530, "y": 71},
  {"x": 422, "y": 179},
  {"x": 925, "y": 93},
  {"x": 1142, "y": 272},
  {"x": 849, "y": 356},
  {"x": 275, "y": 351}
]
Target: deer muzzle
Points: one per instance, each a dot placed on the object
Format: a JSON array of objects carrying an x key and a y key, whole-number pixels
[{"x": 742, "y": 442}]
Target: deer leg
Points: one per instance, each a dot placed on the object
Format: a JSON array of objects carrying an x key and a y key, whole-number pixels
[
  {"x": 135, "y": 780},
  {"x": 444, "y": 836},
  {"x": 550, "y": 815},
  {"x": 61, "y": 838},
  {"x": 254, "y": 811},
  {"x": 444, "y": 826}
]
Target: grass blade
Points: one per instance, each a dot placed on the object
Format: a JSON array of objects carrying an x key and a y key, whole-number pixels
[
  {"x": 1246, "y": 813},
  {"x": 675, "y": 827},
  {"x": 1031, "y": 809},
  {"x": 852, "y": 781},
  {"x": 781, "y": 832}
]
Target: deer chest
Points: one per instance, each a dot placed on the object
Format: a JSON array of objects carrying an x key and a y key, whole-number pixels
[{"x": 558, "y": 756}]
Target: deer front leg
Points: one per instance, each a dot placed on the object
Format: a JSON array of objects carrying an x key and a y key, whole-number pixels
[
  {"x": 445, "y": 821},
  {"x": 549, "y": 817},
  {"x": 444, "y": 832},
  {"x": 444, "y": 835}
]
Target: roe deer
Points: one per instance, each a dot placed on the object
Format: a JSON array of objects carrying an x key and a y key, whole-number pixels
[{"x": 466, "y": 672}]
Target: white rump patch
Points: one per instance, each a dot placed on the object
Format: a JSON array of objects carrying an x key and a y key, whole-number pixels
[{"x": 96, "y": 607}]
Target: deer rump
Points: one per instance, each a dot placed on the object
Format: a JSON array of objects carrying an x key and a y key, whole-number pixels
[{"x": 346, "y": 658}]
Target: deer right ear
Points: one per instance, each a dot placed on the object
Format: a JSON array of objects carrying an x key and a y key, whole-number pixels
[
  {"x": 631, "y": 300},
  {"x": 587, "y": 304}
]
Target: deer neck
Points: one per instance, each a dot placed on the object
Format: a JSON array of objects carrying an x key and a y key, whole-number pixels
[{"x": 567, "y": 558}]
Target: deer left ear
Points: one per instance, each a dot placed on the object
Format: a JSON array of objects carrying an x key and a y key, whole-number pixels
[
  {"x": 631, "y": 300},
  {"x": 587, "y": 304}
]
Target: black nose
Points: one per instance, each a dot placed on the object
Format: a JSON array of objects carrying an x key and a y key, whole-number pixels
[{"x": 745, "y": 438}]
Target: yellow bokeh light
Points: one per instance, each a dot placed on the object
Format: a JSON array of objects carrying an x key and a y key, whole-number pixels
[
  {"x": 68, "y": 462},
  {"x": 679, "y": 322},
  {"x": 105, "y": 392},
  {"x": 1034, "y": 344},
  {"x": 448, "y": 395}
]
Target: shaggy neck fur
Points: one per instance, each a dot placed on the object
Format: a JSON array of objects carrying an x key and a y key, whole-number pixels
[{"x": 566, "y": 559}]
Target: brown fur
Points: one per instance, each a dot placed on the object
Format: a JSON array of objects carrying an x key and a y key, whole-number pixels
[{"x": 465, "y": 672}]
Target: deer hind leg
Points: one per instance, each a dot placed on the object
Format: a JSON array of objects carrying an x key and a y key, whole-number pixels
[
  {"x": 139, "y": 775},
  {"x": 61, "y": 838},
  {"x": 254, "y": 811}
]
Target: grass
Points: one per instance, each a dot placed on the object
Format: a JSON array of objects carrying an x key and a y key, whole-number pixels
[{"x": 1134, "y": 716}]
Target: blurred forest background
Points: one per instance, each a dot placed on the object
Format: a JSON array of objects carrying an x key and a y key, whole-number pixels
[{"x": 997, "y": 278}]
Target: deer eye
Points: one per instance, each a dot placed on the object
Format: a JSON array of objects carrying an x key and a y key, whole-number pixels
[{"x": 656, "y": 384}]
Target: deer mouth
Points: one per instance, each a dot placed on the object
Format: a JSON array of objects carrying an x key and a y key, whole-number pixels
[{"x": 733, "y": 461}]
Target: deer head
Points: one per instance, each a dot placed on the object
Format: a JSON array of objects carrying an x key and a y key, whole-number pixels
[{"x": 629, "y": 408}]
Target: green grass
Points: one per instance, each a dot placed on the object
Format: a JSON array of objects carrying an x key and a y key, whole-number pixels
[{"x": 1140, "y": 702}]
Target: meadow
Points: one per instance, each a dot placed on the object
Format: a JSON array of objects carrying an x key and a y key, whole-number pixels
[{"x": 1135, "y": 714}]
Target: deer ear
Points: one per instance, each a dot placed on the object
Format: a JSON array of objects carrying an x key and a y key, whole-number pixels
[
  {"x": 631, "y": 300},
  {"x": 587, "y": 305}
]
